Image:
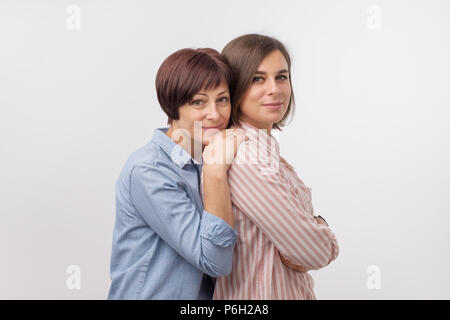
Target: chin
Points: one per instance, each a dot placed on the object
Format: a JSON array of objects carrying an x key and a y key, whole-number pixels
[
  {"x": 205, "y": 139},
  {"x": 273, "y": 119}
]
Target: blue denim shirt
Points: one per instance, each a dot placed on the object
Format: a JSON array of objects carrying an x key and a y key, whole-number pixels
[{"x": 163, "y": 241}]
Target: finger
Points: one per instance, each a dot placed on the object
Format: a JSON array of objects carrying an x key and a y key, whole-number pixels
[
  {"x": 209, "y": 140},
  {"x": 218, "y": 134},
  {"x": 240, "y": 131},
  {"x": 237, "y": 143},
  {"x": 236, "y": 131},
  {"x": 230, "y": 132},
  {"x": 241, "y": 138}
]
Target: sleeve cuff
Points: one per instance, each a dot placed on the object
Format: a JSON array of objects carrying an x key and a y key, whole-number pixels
[{"x": 217, "y": 230}]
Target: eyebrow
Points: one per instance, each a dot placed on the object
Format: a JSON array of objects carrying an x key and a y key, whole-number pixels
[
  {"x": 204, "y": 94},
  {"x": 281, "y": 71}
]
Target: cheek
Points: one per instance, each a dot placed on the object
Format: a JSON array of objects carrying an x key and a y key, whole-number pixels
[
  {"x": 187, "y": 116},
  {"x": 252, "y": 101},
  {"x": 287, "y": 91},
  {"x": 196, "y": 115},
  {"x": 225, "y": 112},
  {"x": 188, "y": 121},
  {"x": 256, "y": 95}
]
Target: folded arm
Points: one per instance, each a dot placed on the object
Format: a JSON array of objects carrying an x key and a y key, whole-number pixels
[{"x": 267, "y": 201}]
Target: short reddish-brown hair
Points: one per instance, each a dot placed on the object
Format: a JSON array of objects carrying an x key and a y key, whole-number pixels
[{"x": 186, "y": 72}]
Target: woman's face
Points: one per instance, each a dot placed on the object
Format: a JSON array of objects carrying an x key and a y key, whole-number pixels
[
  {"x": 211, "y": 108},
  {"x": 267, "y": 98}
]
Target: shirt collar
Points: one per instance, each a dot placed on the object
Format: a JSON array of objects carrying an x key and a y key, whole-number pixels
[
  {"x": 177, "y": 154},
  {"x": 260, "y": 136},
  {"x": 252, "y": 131}
]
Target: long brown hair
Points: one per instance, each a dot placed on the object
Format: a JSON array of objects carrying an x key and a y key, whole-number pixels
[{"x": 244, "y": 54}]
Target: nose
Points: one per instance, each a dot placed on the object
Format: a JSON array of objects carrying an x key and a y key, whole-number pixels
[
  {"x": 213, "y": 113},
  {"x": 273, "y": 87}
]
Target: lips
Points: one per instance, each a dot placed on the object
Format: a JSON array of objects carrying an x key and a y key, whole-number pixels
[{"x": 273, "y": 105}]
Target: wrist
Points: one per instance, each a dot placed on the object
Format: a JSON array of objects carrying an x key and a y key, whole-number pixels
[{"x": 214, "y": 172}]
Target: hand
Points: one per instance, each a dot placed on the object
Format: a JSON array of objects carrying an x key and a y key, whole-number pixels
[
  {"x": 320, "y": 220},
  {"x": 222, "y": 148},
  {"x": 289, "y": 264}
]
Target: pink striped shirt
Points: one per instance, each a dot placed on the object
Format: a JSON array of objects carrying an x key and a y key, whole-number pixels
[{"x": 274, "y": 216}]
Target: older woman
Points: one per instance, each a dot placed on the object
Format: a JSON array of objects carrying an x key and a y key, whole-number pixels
[
  {"x": 279, "y": 238},
  {"x": 167, "y": 240}
]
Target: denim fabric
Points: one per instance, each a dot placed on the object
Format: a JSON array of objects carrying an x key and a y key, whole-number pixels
[{"x": 164, "y": 242}]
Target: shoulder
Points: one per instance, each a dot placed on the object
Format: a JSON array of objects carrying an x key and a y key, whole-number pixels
[
  {"x": 150, "y": 164},
  {"x": 255, "y": 167}
]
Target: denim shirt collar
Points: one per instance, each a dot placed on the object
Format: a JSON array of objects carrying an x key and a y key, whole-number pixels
[{"x": 177, "y": 154}]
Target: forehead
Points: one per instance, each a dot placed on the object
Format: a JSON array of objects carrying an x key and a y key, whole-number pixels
[
  {"x": 274, "y": 61},
  {"x": 223, "y": 86}
]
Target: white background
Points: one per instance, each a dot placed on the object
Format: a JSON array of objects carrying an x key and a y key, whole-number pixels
[{"x": 371, "y": 133}]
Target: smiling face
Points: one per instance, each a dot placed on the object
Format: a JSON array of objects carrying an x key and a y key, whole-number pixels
[
  {"x": 210, "y": 107},
  {"x": 266, "y": 100}
]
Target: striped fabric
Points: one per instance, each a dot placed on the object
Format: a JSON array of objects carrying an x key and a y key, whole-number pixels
[{"x": 274, "y": 216}]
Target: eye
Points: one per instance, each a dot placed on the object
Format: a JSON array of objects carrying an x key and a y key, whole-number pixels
[
  {"x": 197, "y": 103},
  {"x": 282, "y": 77},
  {"x": 223, "y": 100},
  {"x": 258, "y": 79}
]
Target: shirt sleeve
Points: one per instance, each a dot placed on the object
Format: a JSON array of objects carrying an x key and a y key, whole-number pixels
[
  {"x": 263, "y": 195},
  {"x": 202, "y": 238}
]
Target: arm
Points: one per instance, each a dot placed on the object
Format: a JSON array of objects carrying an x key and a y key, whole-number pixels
[
  {"x": 216, "y": 194},
  {"x": 291, "y": 265},
  {"x": 202, "y": 238},
  {"x": 217, "y": 157},
  {"x": 266, "y": 200},
  {"x": 319, "y": 219}
]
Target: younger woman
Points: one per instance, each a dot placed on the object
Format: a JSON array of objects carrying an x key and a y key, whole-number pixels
[{"x": 279, "y": 238}]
